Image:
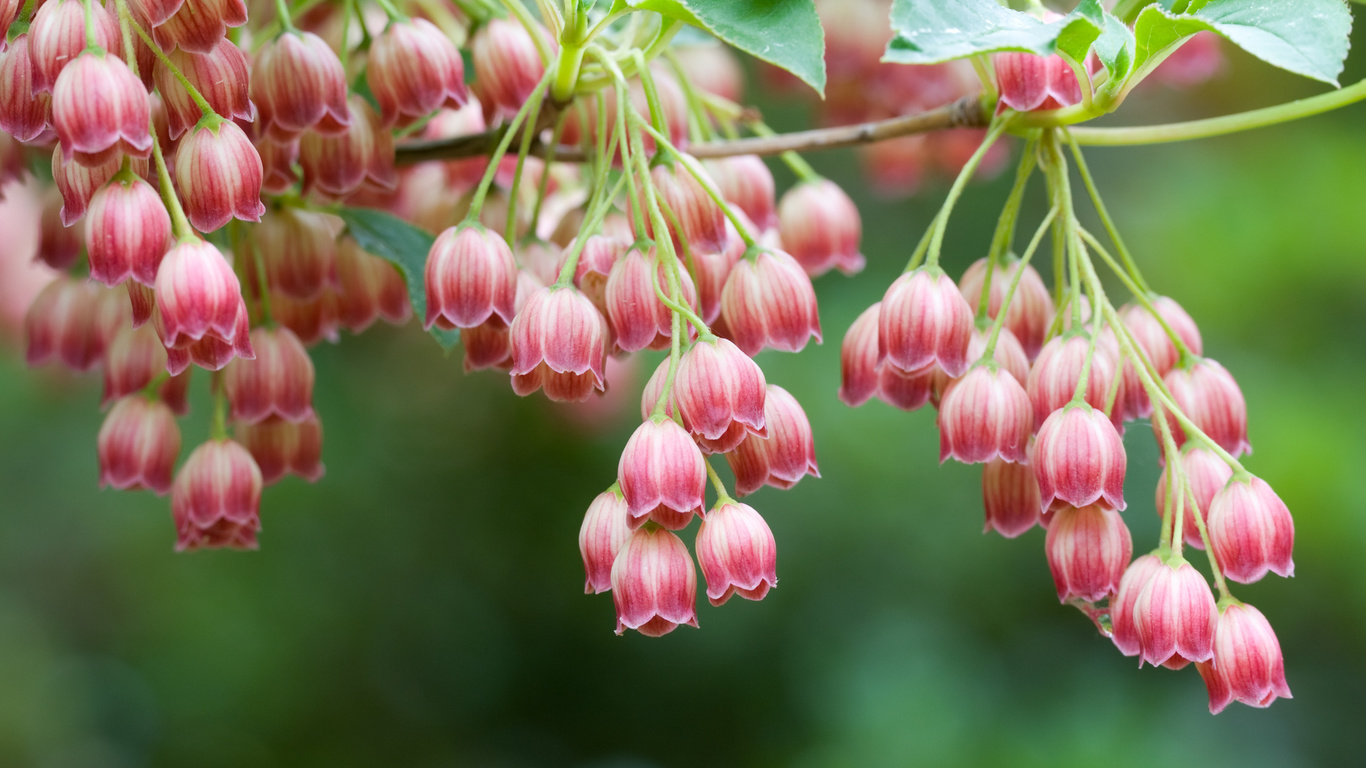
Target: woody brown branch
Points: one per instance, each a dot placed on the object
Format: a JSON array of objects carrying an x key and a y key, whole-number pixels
[{"x": 967, "y": 112}]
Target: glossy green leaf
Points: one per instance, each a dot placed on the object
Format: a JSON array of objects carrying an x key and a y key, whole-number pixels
[
  {"x": 785, "y": 33},
  {"x": 1115, "y": 48},
  {"x": 402, "y": 244},
  {"x": 933, "y": 31},
  {"x": 1307, "y": 37}
]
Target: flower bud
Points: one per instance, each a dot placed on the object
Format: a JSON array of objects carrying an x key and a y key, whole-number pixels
[
  {"x": 737, "y": 553},
  {"x": 1087, "y": 549},
  {"x": 821, "y": 228},
  {"x": 298, "y": 84},
  {"x": 1057, "y": 371},
  {"x": 57, "y": 37},
  {"x": 1029, "y": 82},
  {"x": 1123, "y": 628},
  {"x": 1248, "y": 665},
  {"x": 1079, "y": 459},
  {"x": 746, "y": 182},
  {"x": 696, "y": 218},
  {"x": 654, "y": 585},
  {"x": 414, "y": 69},
  {"x": 1174, "y": 617},
  {"x": 1206, "y": 474},
  {"x": 559, "y": 342},
  {"x": 216, "y": 498},
  {"x": 604, "y": 532},
  {"x": 471, "y": 276},
  {"x": 277, "y": 382},
  {"x": 769, "y": 301},
  {"x": 219, "y": 175},
  {"x": 9, "y": 11},
  {"x": 1207, "y": 393},
  {"x": 78, "y": 184},
  {"x": 782, "y": 458},
  {"x": 138, "y": 445},
  {"x": 1031, "y": 309},
  {"x": 61, "y": 324},
  {"x": 1010, "y": 495},
  {"x": 983, "y": 416},
  {"x": 639, "y": 318},
  {"x": 1251, "y": 531},
  {"x": 126, "y": 232},
  {"x": 58, "y": 245},
  {"x": 720, "y": 393},
  {"x": 23, "y": 111},
  {"x": 337, "y": 164},
  {"x": 100, "y": 109},
  {"x": 507, "y": 65},
  {"x": 662, "y": 474},
  {"x": 199, "y": 25},
  {"x": 370, "y": 287},
  {"x": 199, "y": 297},
  {"x": 924, "y": 320},
  {"x": 280, "y": 447},
  {"x": 221, "y": 76}
]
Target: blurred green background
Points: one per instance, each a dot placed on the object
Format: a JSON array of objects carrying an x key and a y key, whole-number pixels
[{"x": 422, "y": 605}]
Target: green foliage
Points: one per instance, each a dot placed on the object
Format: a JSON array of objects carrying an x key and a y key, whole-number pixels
[
  {"x": 785, "y": 33},
  {"x": 402, "y": 244},
  {"x": 933, "y": 31}
]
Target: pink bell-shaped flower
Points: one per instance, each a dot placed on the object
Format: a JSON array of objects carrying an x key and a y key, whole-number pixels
[
  {"x": 746, "y": 182},
  {"x": 198, "y": 297},
  {"x": 1079, "y": 459},
  {"x": 559, "y": 342},
  {"x": 924, "y": 321},
  {"x": 1087, "y": 549},
  {"x": 57, "y": 37},
  {"x": 1174, "y": 617},
  {"x": 199, "y": 25},
  {"x": 100, "y": 110},
  {"x": 782, "y": 458},
  {"x": 283, "y": 447},
  {"x": 414, "y": 69},
  {"x": 1029, "y": 82},
  {"x": 1010, "y": 496},
  {"x": 127, "y": 231},
  {"x": 368, "y": 287},
  {"x": 361, "y": 156},
  {"x": 1123, "y": 628},
  {"x": 1057, "y": 370},
  {"x": 654, "y": 584},
  {"x": 662, "y": 475},
  {"x": 138, "y": 445},
  {"x": 720, "y": 394},
  {"x": 1251, "y": 531},
  {"x": 768, "y": 301},
  {"x": 693, "y": 217},
  {"x": 1206, "y": 474},
  {"x": 507, "y": 66},
  {"x": 219, "y": 175},
  {"x": 1248, "y": 665},
  {"x": 1031, "y": 309},
  {"x": 638, "y": 317},
  {"x": 606, "y": 527},
  {"x": 471, "y": 276},
  {"x": 216, "y": 498},
  {"x": 1207, "y": 393},
  {"x": 23, "y": 111},
  {"x": 221, "y": 76},
  {"x": 277, "y": 382},
  {"x": 298, "y": 84},
  {"x": 738, "y": 555},
  {"x": 820, "y": 226},
  {"x": 983, "y": 416}
]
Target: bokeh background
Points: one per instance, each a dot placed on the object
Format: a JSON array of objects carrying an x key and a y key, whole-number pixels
[{"x": 422, "y": 605}]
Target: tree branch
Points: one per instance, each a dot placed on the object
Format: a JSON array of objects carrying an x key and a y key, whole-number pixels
[{"x": 966, "y": 112}]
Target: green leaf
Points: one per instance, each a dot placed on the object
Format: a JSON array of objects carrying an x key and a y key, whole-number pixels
[
  {"x": 934, "y": 31},
  {"x": 1115, "y": 48},
  {"x": 785, "y": 33},
  {"x": 402, "y": 244},
  {"x": 1307, "y": 37}
]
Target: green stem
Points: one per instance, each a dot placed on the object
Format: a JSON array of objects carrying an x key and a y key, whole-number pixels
[
  {"x": 1142, "y": 296},
  {"x": 591, "y": 224},
  {"x": 548, "y": 160},
  {"x": 1104, "y": 214},
  {"x": 282, "y": 13},
  {"x": 1220, "y": 126},
  {"x": 796, "y": 162},
  {"x": 218, "y": 429},
  {"x": 1005, "y": 227},
  {"x": 533, "y": 101},
  {"x": 699, "y": 127},
  {"x": 704, "y": 180},
  {"x": 528, "y": 136},
  {"x": 198, "y": 98},
  {"x": 388, "y": 8},
  {"x": 1215, "y": 570},
  {"x": 969, "y": 168},
  {"x": 722, "y": 497},
  {"x": 647, "y": 82},
  {"x": 180, "y": 225},
  {"x": 1015, "y": 281},
  {"x": 92, "y": 36}
]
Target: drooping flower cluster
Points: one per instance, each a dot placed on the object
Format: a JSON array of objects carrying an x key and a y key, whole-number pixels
[{"x": 212, "y": 179}]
